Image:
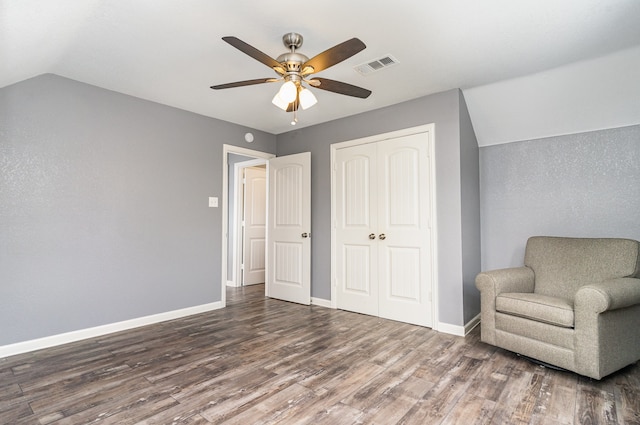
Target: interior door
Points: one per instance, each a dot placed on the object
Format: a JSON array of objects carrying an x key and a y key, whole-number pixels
[
  {"x": 357, "y": 229},
  {"x": 289, "y": 228},
  {"x": 254, "y": 226},
  {"x": 404, "y": 229}
]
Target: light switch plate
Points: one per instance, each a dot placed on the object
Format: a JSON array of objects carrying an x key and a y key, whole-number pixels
[{"x": 213, "y": 201}]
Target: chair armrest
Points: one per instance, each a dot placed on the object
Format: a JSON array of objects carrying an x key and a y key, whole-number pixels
[
  {"x": 491, "y": 284},
  {"x": 608, "y": 295},
  {"x": 515, "y": 279}
]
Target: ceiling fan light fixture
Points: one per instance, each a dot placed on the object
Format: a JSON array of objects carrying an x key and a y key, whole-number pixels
[
  {"x": 277, "y": 100},
  {"x": 307, "y": 98},
  {"x": 288, "y": 92}
]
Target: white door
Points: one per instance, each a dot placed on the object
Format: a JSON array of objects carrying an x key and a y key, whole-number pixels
[
  {"x": 404, "y": 237},
  {"x": 254, "y": 225},
  {"x": 357, "y": 229},
  {"x": 289, "y": 228},
  {"x": 383, "y": 240}
]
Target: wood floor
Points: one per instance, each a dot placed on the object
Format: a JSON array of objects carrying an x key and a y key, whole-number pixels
[{"x": 264, "y": 361}]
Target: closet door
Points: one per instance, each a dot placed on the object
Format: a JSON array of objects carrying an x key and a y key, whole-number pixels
[
  {"x": 404, "y": 264},
  {"x": 383, "y": 239},
  {"x": 356, "y": 232}
]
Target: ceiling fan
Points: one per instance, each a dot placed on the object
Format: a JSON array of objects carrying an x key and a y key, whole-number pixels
[{"x": 295, "y": 68}]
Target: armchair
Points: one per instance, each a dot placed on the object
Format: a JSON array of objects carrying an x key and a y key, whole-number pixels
[{"x": 575, "y": 304}]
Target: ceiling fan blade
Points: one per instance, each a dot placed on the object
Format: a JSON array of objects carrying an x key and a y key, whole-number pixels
[
  {"x": 334, "y": 55},
  {"x": 254, "y": 53},
  {"x": 340, "y": 87},
  {"x": 244, "y": 83}
]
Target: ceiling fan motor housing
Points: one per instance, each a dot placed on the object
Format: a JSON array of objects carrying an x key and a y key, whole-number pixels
[{"x": 292, "y": 61}]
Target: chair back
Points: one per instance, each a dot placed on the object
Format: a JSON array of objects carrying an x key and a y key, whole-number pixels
[{"x": 562, "y": 265}]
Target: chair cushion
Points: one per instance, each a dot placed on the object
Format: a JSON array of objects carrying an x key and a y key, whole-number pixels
[{"x": 542, "y": 308}]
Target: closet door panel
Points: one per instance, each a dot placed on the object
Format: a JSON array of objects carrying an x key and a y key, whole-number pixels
[
  {"x": 403, "y": 219},
  {"x": 356, "y": 209}
]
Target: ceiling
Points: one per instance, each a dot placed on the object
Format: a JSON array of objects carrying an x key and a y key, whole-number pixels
[{"x": 171, "y": 52}]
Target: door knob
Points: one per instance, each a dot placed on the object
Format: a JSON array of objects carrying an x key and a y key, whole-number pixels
[
  {"x": 305, "y": 235},
  {"x": 382, "y": 236},
  {"x": 372, "y": 236}
]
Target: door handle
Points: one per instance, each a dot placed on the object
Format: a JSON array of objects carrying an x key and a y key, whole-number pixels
[
  {"x": 305, "y": 235},
  {"x": 382, "y": 236},
  {"x": 372, "y": 236}
]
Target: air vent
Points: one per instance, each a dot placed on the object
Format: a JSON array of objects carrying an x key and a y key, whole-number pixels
[{"x": 376, "y": 65}]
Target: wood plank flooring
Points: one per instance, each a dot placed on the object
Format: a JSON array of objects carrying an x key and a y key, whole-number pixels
[{"x": 264, "y": 361}]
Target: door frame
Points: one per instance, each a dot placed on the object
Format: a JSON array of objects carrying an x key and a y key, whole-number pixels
[
  {"x": 427, "y": 128},
  {"x": 226, "y": 150},
  {"x": 238, "y": 169}
]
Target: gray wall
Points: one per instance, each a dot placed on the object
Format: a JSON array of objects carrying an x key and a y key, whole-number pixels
[
  {"x": 443, "y": 109},
  {"x": 103, "y": 207},
  {"x": 581, "y": 185},
  {"x": 470, "y": 213}
]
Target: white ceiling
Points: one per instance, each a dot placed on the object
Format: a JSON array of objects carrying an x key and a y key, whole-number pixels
[{"x": 170, "y": 51}]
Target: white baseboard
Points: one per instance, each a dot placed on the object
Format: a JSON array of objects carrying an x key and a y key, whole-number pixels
[
  {"x": 65, "y": 338},
  {"x": 457, "y": 329},
  {"x": 471, "y": 324},
  {"x": 321, "y": 302}
]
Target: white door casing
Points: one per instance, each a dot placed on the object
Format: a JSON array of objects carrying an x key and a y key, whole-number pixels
[
  {"x": 382, "y": 249},
  {"x": 254, "y": 226},
  {"x": 288, "y": 274}
]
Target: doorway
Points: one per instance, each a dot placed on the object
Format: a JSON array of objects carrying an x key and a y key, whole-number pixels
[
  {"x": 230, "y": 260},
  {"x": 248, "y": 226},
  {"x": 287, "y": 268}
]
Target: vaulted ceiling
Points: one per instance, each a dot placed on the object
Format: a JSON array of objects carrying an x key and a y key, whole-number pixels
[{"x": 531, "y": 52}]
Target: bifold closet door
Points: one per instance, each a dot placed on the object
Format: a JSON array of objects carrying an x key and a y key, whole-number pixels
[
  {"x": 356, "y": 229},
  {"x": 404, "y": 239},
  {"x": 383, "y": 238}
]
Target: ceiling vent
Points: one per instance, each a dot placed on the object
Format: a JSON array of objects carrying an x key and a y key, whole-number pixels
[{"x": 376, "y": 65}]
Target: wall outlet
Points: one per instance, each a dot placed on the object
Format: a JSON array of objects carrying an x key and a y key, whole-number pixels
[{"x": 213, "y": 202}]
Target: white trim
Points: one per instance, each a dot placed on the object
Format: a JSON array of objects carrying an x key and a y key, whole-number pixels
[
  {"x": 65, "y": 338},
  {"x": 458, "y": 330},
  {"x": 450, "y": 329},
  {"x": 321, "y": 302},
  {"x": 430, "y": 130},
  {"x": 471, "y": 324},
  {"x": 226, "y": 150}
]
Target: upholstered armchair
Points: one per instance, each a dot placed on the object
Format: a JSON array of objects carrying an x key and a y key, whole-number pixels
[{"x": 575, "y": 304}]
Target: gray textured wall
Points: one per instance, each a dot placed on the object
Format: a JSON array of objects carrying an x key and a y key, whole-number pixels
[
  {"x": 441, "y": 109},
  {"x": 580, "y": 185},
  {"x": 470, "y": 212},
  {"x": 103, "y": 207}
]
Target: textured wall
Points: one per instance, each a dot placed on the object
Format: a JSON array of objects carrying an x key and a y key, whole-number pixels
[
  {"x": 103, "y": 207},
  {"x": 581, "y": 185},
  {"x": 470, "y": 212}
]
